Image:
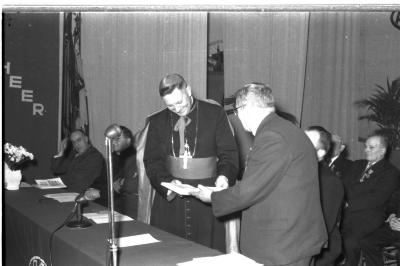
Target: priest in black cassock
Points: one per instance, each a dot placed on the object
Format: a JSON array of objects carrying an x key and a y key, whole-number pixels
[{"x": 189, "y": 142}]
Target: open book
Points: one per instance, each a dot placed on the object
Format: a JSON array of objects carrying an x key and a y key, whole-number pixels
[
  {"x": 184, "y": 189},
  {"x": 49, "y": 183}
]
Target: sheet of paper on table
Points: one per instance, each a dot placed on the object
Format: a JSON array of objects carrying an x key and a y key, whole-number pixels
[
  {"x": 101, "y": 217},
  {"x": 62, "y": 197},
  {"x": 24, "y": 184},
  {"x": 129, "y": 241},
  {"x": 49, "y": 183},
  {"x": 226, "y": 259}
]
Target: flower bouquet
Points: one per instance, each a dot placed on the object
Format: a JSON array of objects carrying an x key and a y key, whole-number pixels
[{"x": 14, "y": 158}]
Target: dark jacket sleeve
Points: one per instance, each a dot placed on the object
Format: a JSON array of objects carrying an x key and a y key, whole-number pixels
[
  {"x": 87, "y": 170},
  {"x": 228, "y": 157},
  {"x": 101, "y": 184},
  {"x": 59, "y": 165},
  {"x": 376, "y": 197},
  {"x": 269, "y": 162},
  {"x": 393, "y": 206},
  {"x": 154, "y": 158}
]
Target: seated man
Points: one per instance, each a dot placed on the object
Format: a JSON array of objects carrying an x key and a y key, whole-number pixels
[
  {"x": 338, "y": 163},
  {"x": 386, "y": 235},
  {"x": 125, "y": 177},
  {"x": 332, "y": 194},
  {"x": 79, "y": 168},
  {"x": 368, "y": 186}
]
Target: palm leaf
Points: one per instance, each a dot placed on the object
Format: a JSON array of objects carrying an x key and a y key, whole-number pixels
[{"x": 383, "y": 108}]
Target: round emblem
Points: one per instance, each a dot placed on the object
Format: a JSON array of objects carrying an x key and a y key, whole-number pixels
[
  {"x": 37, "y": 261},
  {"x": 395, "y": 19}
]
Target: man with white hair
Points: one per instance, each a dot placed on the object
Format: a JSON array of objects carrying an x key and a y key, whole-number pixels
[
  {"x": 368, "y": 185},
  {"x": 282, "y": 221}
]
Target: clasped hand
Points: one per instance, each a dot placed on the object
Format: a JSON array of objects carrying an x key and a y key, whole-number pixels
[
  {"x": 204, "y": 193},
  {"x": 394, "y": 222}
]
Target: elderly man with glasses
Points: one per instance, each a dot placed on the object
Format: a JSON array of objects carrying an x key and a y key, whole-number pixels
[{"x": 282, "y": 221}]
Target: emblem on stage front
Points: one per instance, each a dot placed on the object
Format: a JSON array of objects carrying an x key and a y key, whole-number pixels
[{"x": 37, "y": 261}]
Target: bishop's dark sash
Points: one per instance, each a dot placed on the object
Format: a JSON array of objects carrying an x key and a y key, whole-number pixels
[{"x": 197, "y": 168}]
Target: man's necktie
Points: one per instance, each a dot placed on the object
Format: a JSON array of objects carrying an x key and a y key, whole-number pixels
[
  {"x": 180, "y": 126},
  {"x": 364, "y": 175}
]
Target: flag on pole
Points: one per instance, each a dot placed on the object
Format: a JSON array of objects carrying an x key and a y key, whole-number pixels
[{"x": 74, "y": 95}]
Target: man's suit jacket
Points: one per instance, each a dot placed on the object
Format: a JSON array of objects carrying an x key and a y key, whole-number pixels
[
  {"x": 393, "y": 205},
  {"x": 366, "y": 200},
  {"x": 332, "y": 195},
  {"x": 79, "y": 172},
  {"x": 282, "y": 219},
  {"x": 340, "y": 165}
]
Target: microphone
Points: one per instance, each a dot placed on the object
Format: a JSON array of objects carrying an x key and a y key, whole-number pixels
[
  {"x": 113, "y": 131},
  {"x": 79, "y": 222}
]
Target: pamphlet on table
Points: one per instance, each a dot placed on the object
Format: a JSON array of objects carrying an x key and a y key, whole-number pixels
[
  {"x": 49, "y": 183},
  {"x": 101, "y": 217}
]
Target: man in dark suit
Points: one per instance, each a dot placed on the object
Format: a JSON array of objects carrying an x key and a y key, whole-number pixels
[
  {"x": 332, "y": 194},
  {"x": 337, "y": 160},
  {"x": 368, "y": 186},
  {"x": 282, "y": 220},
  {"x": 81, "y": 166},
  {"x": 386, "y": 235},
  {"x": 125, "y": 182}
]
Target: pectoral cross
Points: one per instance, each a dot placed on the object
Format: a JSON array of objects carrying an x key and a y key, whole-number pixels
[{"x": 186, "y": 155}]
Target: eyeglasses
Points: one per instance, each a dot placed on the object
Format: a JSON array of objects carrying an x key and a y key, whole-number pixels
[{"x": 235, "y": 110}]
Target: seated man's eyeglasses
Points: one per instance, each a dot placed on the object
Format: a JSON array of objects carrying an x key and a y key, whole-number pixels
[{"x": 235, "y": 110}]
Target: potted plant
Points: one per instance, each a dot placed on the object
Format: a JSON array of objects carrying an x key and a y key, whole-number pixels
[
  {"x": 14, "y": 159},
  {"x": 384, "y": 109}
]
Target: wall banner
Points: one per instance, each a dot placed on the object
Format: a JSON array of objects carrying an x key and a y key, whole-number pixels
[{"x": 31, "y": 86}]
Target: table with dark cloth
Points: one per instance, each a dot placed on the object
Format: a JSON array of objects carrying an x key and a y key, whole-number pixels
[{"x": 30, "y": 219}]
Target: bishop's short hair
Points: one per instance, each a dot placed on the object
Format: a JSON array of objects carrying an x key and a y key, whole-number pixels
[{"x": 171, "y": 82}]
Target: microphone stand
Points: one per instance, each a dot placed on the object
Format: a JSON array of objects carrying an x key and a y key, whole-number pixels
[
  {"x": 111, "y": 132},
  {"x": 80, "y": 222}
]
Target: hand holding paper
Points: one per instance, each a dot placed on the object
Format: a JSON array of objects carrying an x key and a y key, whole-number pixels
[
  {"x": 179, "y": 188},
  {"x": 203, "y": 193}
]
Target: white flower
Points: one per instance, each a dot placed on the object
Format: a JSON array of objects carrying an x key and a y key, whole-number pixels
[{"x": 17, "y": 154}]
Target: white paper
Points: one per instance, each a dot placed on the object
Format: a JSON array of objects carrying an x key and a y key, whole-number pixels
[
  {"x": 101, "y": 217},
  {"x": 24, "y": 184},
  {"x": 181, "y": 189},
  {"x": 185, "y": 189},
  {"x": 62, "y": 197},
  {"x": 226, "y": 259},
  {"x": 129, "y": 241},
  {"x": 49, "y": 183}
]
